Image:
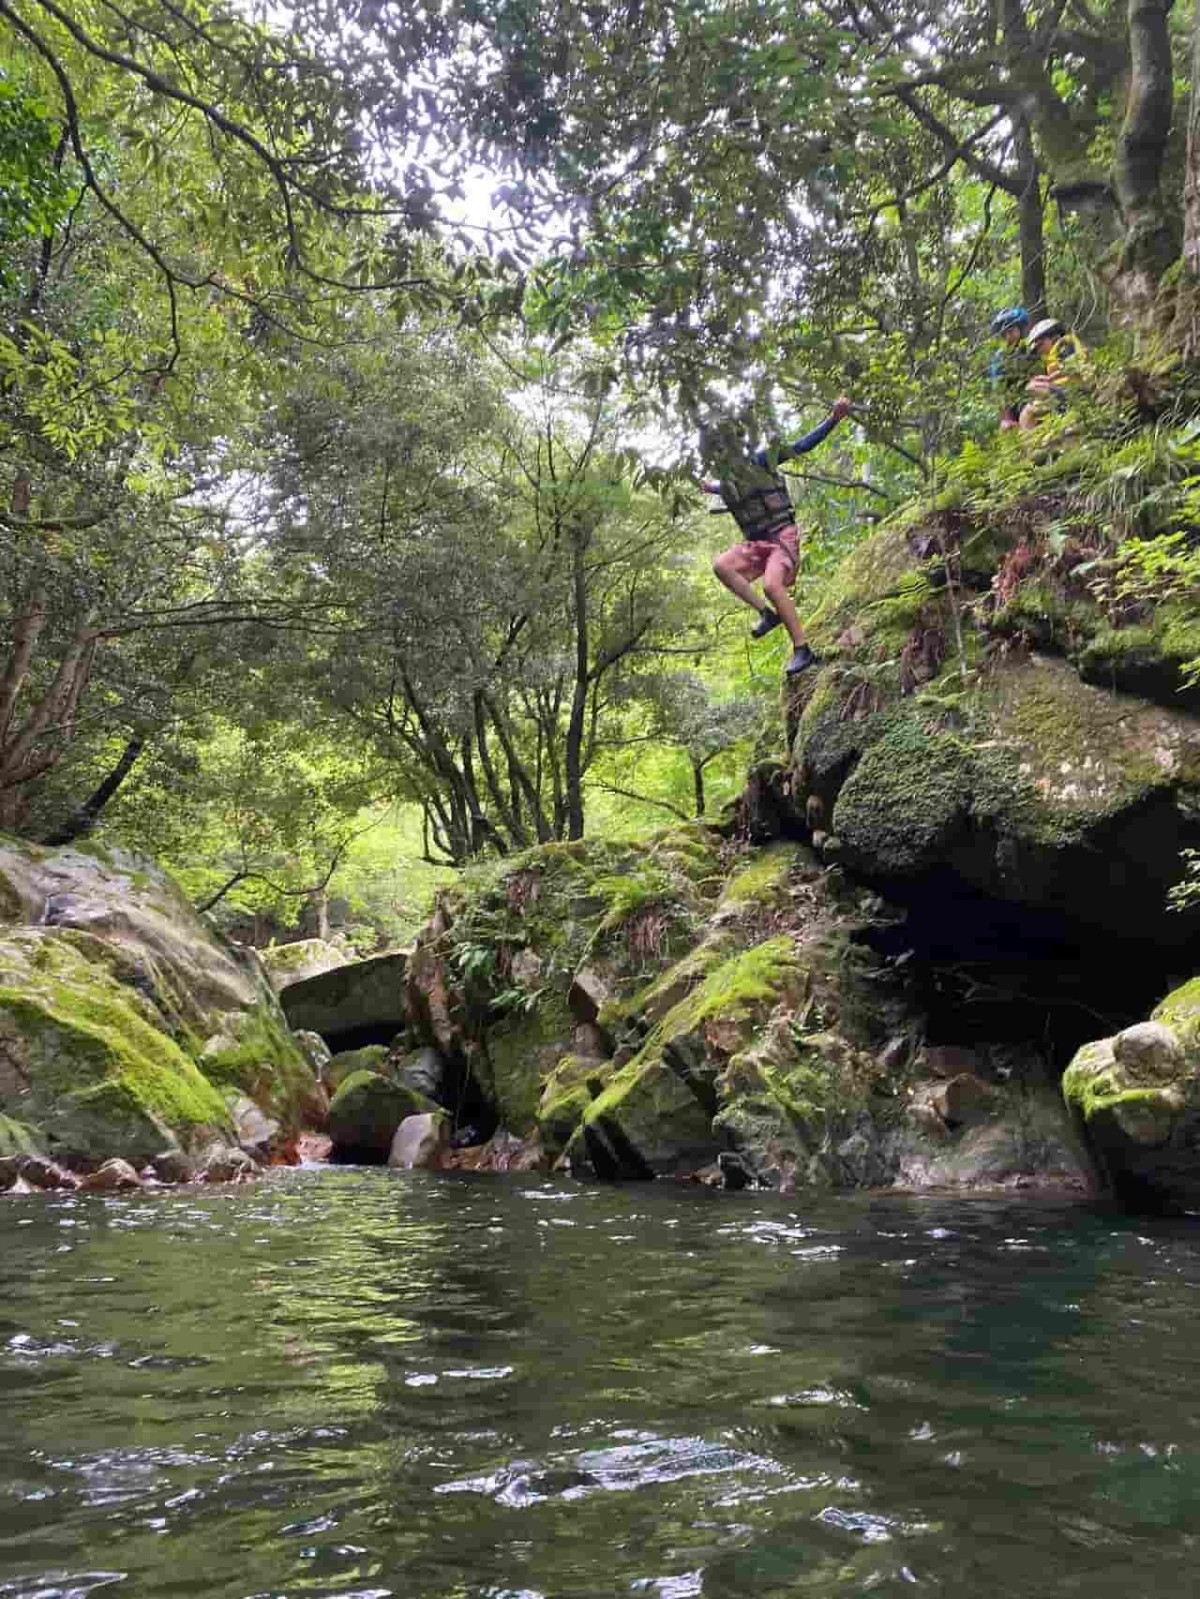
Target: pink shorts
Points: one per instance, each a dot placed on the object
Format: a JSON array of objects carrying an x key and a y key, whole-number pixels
[{"x": 777, "y": 557}]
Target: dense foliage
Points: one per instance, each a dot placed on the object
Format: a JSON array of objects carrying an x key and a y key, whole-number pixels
[{"x": 328, "y": 487}]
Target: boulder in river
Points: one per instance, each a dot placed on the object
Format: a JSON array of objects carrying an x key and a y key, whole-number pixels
[
  {"x": 356, "y": 1003},
  {"x": 111, "y": 1177},
  {"x": 421, "y": 1142},
  {"x": 124, "y": 1016},
  {"x": 1135, "y": 1100},
  {"x": 365, "y": 1113}
]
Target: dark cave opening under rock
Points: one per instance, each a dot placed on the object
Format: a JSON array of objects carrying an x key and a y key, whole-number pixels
[{"x": 988, "y": 971}]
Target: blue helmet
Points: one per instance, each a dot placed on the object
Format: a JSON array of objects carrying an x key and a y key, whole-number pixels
[{"x": 1015, "y": 316}]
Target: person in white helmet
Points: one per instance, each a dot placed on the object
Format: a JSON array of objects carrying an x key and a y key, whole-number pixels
[{"x": 1064, "y": 359}]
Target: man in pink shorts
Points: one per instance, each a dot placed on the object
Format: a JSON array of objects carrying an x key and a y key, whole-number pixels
[{"x": 756, "y": 496}]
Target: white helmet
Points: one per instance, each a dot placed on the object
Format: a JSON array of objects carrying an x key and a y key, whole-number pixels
[{"x": 1046, "y": 328}]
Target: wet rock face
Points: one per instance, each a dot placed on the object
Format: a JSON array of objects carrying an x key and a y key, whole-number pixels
[
  {"x": 125, "y": 1021},
  {"x": 357, "y": 1003},
  {"x": 1019, "y": 796},
  {"x": 1135, "y": 1101},
  {"x": 726, "y": 1017}
]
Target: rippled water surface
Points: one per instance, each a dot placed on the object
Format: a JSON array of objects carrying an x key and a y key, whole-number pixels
[{"x": 362, "y": 1383}]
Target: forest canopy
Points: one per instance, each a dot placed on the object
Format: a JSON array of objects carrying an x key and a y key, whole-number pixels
[{"x": 351, "y": 357}]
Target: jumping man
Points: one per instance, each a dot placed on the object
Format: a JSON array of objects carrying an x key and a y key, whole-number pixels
[{"x": 756, "y": 496}]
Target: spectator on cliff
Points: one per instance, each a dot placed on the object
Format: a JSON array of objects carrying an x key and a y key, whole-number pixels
[
  {"x": 1064, "y": 360},
  {"x": 1012, "y": 364}
]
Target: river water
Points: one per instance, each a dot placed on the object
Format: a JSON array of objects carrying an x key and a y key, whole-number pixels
[{"x": 361, "y": 1383}]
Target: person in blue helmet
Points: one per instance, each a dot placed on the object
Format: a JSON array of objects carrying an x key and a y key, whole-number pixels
[{"x": 1013, "y": 364}]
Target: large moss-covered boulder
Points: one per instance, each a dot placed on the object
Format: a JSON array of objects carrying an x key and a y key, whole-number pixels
[
  {"x": 124, "y": 1019},
  {"x": 1031, "y": 786},
  {"x": 365, "y": 1113},
  {"x": 1135, "y": 1100},
  {"x": 508, "y": 977}
]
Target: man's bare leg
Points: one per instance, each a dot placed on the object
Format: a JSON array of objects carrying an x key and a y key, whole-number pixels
[
  {"x": 785, "y": 608},
  {"x": 737, "y": 584}
]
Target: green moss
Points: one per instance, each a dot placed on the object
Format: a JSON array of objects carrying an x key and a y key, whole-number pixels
[
  {"x": 371, "y": 1058},
  {"x": 266, "y": 1063},
  {"x": 569, "y": 1090},
  {"x": 764, "y": 879},
  {"x": 1180, "y": 1011},
  {"x": 626, "y": 895},
  {"x": 907, "y": 797},
  {"x": 733, "y": 990},
  {"x": 876, "y": 573},
  {"x": 691, "y": 850},
  {"x": 77, "y": 1029},
  {"x": 1108, "y": 1110},
  {"x": 522, "y": 1051},
  {"x": 1059, "y": 755},
  {"x": 16, "y": 1138}
]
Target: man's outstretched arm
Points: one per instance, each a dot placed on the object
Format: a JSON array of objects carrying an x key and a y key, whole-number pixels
[{"x": 808, "y": 441}]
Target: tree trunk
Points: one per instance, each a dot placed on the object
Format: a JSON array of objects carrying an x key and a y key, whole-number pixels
[
  {"x": 1187, "y": 307},
  {"x": 1149, "y": 243},
  {"x": 698, "y": 785},
  {"x": 573, "y": 753},
  {"x": 81, "y": 823},
  {"x": 1030, "y": 221}
]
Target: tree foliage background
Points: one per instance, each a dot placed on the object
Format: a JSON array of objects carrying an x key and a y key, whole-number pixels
[{"x": 336, "y": 504}]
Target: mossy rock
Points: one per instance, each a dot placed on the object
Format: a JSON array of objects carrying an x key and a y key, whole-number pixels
[
  {"x": 880, "y": 578},
  {"x": 762, "y": 882},
  {"x": 1180, "y": 1011},
  {"x": 84, "y": 1062},
  {"x": 1018, "y": 790},
  {"x": 646, "y": 1122},
  {"x": 265, "y": 1062},
  {"x": 656, "y": 1112},
  {"x": 365, "y": 1113},
  {"x": 906, "y": 800},
  {"x": 568, "y": 1092},
  {"x": 371, "y": 1058},
  {"x": 522, "y": 1051},
  {"x": 17, "y": 1139},
  {"x": 109, "y": 1001},
  {"x": 1137, "y": 1111}
]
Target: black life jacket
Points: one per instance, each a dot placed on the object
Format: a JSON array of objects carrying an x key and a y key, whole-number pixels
[{"x": 760, "y": 503}]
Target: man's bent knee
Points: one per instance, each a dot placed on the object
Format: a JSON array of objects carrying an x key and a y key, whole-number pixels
[{"x": 776, "y": 587}]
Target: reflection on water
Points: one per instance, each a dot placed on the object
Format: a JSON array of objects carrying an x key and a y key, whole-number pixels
[{"x": 372, "y": 1384}]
